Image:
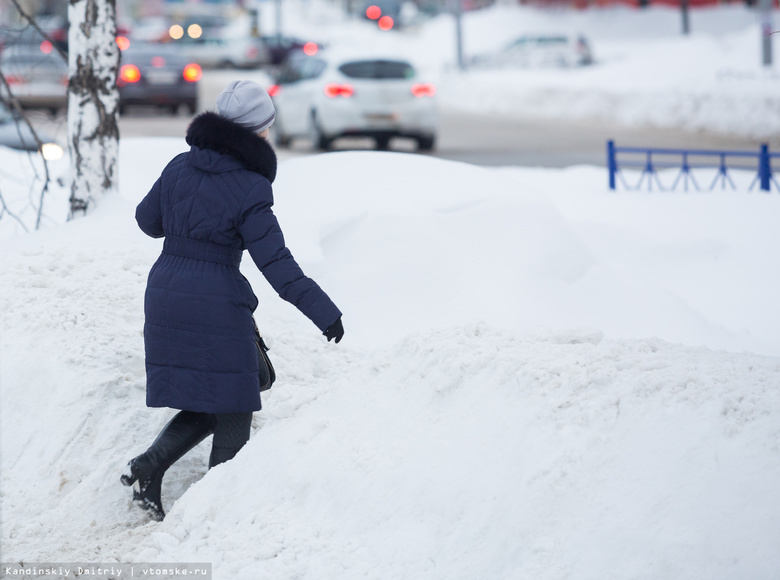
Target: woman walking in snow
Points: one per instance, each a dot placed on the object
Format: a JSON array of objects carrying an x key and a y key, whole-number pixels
[{"x": 210, "y": 204}]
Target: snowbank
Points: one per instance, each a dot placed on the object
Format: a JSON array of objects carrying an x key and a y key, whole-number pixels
[{"x": 535, "y": 420}]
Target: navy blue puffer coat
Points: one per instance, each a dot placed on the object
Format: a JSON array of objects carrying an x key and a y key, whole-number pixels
[{"x": 210, "y": 204}]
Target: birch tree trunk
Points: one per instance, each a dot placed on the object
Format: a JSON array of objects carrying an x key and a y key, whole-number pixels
[{"x": 93, "y": 133}]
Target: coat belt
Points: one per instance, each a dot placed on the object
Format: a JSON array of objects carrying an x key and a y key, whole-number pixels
[{"x": 201, "y": 250}]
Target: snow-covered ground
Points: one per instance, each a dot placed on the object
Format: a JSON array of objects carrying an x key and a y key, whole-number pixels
[
  {"x": 540, "y": 378},
  {"x": 531, "y": 384}
]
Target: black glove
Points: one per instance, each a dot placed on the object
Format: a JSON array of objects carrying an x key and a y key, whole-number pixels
[{"x": 335, "y": 330}]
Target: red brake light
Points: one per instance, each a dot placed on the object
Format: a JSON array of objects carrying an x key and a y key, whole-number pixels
[
  {"x": 373, "y": 12},
  {"x": 337, "y": 90},
  {"x": 129, "y": 73},
  {"x": 192, "y": 72},
  {"x": 386, "y": 23},
  {"x": 123, "y": 42},
  {"x": 15, "y": 79},
  {"x": 423, "y": 90},
  {"x": 274, "y": 90},
  {"x": 46, "y": 47},
  {"x": 310, "y": 48}
]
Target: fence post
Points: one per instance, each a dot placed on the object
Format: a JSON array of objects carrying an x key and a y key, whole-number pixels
[
  {"x": 611, "y": 163},
  {"x": 764, "y": 169}
]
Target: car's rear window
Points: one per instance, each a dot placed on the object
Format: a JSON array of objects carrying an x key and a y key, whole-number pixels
[
  {"x": 147, "y": 58},
  {"x": 378, "y": 69}
]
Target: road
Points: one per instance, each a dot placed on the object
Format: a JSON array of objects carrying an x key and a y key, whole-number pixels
[
  {"x": 493, "y": 141},
  {"x": 480, "y": 140}
]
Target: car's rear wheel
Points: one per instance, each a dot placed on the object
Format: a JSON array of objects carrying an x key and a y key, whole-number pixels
[
  {"x": 281, "y": 139},
  {"x": 426, "y": 143},
  {"x": 382, "y": 143},
  {"x": 319, "y": 140}
]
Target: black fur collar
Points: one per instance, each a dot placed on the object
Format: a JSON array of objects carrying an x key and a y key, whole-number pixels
[{"x": 212, "y": 131}]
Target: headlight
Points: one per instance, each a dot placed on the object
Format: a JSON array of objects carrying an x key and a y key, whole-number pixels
[{"x": 52, "y": 152}]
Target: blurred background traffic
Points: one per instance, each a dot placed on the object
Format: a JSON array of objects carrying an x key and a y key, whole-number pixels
[{"x": 363, "y": 73}]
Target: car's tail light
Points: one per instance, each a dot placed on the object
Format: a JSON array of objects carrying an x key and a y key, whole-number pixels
[
  {"x": 15, "y": 80},
  {"x": 274, "y": 90},
  {"x": 129, "y": 73},
  {"x": 46, "y": 47},
  {"x": 423, "y": 90},
  {"x": 339, "y": 90},
  {"x": 123, "y": 42},
  {"x": 192, "y": 72},
  {"x": 373, "y": 12},
  {"x": 385, "y": 23}
]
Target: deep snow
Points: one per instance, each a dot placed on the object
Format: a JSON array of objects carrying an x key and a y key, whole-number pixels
[
  {"x": 511, "y": 399},
  {"x": 539, "y": 379}
]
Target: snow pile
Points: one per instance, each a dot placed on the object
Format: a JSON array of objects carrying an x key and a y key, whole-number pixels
[
  {"x": 646, "y": 72},
  {"x": 505, "y": 403}
]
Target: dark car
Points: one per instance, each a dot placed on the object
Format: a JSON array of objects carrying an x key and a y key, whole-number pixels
[
  {"x": 282, "y": 46},
  {"x": 155, "y": 74},
  {"x": 14, "y": 133}
]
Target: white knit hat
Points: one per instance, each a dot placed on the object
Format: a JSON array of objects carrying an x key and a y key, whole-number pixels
[{"x": 247, "y": 103}]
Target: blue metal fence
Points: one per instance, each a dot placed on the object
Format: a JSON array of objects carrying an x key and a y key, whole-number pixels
[{"x": 651, "y": 160}]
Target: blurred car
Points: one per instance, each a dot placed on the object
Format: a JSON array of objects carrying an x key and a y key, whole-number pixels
[
  {"x": 386, "y": 13},
  {"x": 155, "y": 74},
  {"x": 539, "y": 50},
  {"x": 224, "y": 51},
  {"x": 38, "y": 79},
  {"x": 331, "y": 95},
  {"x": 55, "y": 30},
  {"x": 14, "y": 133},
  {"x": 280, "y": 47}
]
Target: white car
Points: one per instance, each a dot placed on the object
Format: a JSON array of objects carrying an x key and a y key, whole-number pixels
[
  {"x": 39, "y": 80},
  {"x": 326, "y": 96},
  {"x": 539, "y": 50}
]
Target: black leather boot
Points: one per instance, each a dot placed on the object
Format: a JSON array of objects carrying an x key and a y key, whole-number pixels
[
  {"x": 230, "y": 434},
  {"x": 145, "y": 472}
]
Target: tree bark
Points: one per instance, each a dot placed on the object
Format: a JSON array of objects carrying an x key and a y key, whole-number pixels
[{"x": 93, "y": 132}]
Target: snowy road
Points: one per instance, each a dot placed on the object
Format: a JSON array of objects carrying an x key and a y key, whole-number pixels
[
  {"x": 491, "y": 140},
  {"x": 485, "y": 140}
]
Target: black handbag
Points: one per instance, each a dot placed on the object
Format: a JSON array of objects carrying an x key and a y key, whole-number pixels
[{"x": 267, "y": 373}]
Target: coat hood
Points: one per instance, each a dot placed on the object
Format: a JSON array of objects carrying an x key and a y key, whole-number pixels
[{"x": 216, "y": 133}]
